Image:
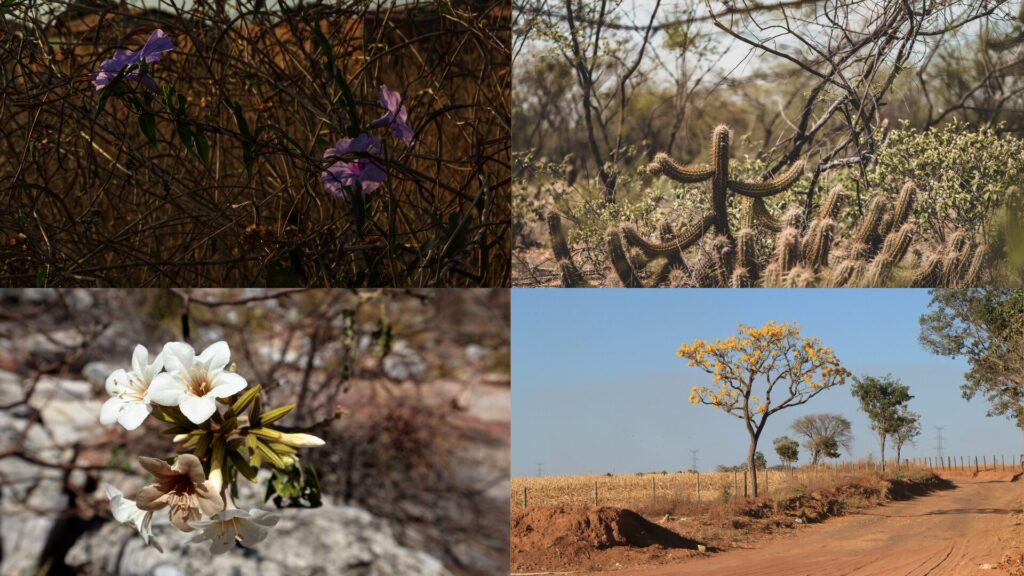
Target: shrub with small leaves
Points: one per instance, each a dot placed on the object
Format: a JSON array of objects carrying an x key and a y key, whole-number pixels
[{"x": 962, "y": 173}]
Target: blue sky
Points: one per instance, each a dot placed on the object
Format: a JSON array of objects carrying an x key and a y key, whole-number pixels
[{"x": 596, "y": 385}]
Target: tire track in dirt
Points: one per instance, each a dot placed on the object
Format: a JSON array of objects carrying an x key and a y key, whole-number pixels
[{"x": 948, "y": 533}]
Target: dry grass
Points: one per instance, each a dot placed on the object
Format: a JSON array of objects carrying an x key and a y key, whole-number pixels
[
  {"x": 85, "y": 200},
  {"x": 677, "y": 491}
]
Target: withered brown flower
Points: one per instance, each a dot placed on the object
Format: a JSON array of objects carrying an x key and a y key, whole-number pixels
[{"x": 183, "y": 487}]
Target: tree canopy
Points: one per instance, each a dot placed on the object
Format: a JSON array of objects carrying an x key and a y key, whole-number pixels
[{"x": 987, "y": 328}]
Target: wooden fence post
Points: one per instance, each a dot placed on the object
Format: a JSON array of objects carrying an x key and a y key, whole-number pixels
[
  {"x": 745, "y": 495},
  {"x": 735, "y": 484},
  {"x": 962, "y": 467},
  {"x": 595, "y": 492},
  {"x": 975, "y": 464},
  {"x": 1002, "y": 461},
  {"x": 654, "y": 493},
  {"x": 984, "y": 464},
  {"x": 524, "y": 497}
]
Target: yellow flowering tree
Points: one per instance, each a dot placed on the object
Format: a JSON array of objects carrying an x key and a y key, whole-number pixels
[{"x": 761, "y": 371}]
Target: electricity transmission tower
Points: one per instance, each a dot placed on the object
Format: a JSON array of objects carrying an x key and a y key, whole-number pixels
[
  {"x": 693, "y": 459},
  {"x": 540, "y": 469},
  {"x": 938, "y": 441}
]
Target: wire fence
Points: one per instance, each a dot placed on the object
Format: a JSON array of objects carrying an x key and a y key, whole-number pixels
[{"x": 645, "y": 490}]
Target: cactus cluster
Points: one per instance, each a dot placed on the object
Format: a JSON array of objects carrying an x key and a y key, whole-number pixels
[{"x": 878, "y": 252}]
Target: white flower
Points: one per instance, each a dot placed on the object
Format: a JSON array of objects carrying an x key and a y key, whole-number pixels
[
  {"x": 193, "y": 383},
  {"x": 129, "y": 403},
  {"x": 126, "y": 512},
  {"x": 224, "y": 529}
]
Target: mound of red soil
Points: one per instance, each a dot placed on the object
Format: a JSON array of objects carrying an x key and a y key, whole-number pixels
[
  {"x": 555, "y": 538},
  {"x": 597, "y": 528}
]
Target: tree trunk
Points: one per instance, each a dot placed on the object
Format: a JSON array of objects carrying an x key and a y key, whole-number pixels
[
  {"x": 750, "y": 462},
  {"x": 882, "y": 444},
  {"x": 899, "y": 448}
]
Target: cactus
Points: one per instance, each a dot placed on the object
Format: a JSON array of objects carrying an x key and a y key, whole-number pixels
[
  {"x": 867, "y": 231},
  {"x": 620, "y": 261},
  {"x": 893, "y": 250},
  {"x": 930, "y": 273},
  {"x": 718, "y": 218},
  {"x": 672, "y": 261},
  {"x": 570, "y": 274},
  {"x": 978, "y": 262}
]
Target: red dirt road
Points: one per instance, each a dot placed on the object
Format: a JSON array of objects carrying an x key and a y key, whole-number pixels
[{"x": 950, "y": 532}]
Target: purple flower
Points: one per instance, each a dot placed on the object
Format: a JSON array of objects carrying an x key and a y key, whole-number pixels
[
  {"x": 153, "y": 50},
  {"x": 396, "y": 116},
  {"x": 341, "y": 177}
]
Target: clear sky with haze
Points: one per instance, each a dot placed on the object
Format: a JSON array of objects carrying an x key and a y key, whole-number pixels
[{"x": 597, "y": 387}]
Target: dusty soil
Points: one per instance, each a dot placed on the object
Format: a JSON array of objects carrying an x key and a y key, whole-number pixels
[
  {"x": 595, "y": 539},
  {"x": 961, "y": 531}
]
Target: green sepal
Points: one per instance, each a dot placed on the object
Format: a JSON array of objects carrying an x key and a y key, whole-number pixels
[{"x": 276, "y": 414}]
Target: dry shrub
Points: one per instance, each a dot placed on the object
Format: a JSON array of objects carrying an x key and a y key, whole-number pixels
[{"x": 85, "y": 200}]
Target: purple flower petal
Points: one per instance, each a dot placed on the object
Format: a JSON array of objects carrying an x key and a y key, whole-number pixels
[
  {"x": 396, "y": 116},
  {"x": 155, "y": 47},
  {"x": 153, "y": 50},
  {"x": 341, "y": 177}
]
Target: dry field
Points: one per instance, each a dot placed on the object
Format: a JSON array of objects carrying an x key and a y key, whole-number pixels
[{"x": 658, "y": 491}]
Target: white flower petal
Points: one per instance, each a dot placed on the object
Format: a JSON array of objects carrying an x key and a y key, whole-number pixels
[
  {"x": 140, "y": 359},
  {"x": 264, "y": 517},
  {"x": 178, "y": 356},
  {"x": 110, "y": 410},
  {"x": 216, "y": 356},
  {"x": 133, "y": 414},
  {"x": 250, "y": 533},
  {"x": 166, "y": 390},
  {"x": 196, "y": 409},
  {"x": 221, "y": 541},
  {"x": 116, "y": 382},
  {"x": 226, "y": 384},
  {"x": 153, "y": 369}
]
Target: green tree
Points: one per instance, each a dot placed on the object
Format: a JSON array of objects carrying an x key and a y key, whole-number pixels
[
  {"x": 882, "y": 399},
  {"x": 824, "y": 434},
  {"x": 760, "y": 372},
  {"x": 908, "y": 427},
  {"x": 987, "y": 328},
  {"x": 787, "y": 449}
]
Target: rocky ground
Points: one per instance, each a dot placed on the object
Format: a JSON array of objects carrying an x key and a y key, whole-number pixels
[{"x": 55, "y": 460}]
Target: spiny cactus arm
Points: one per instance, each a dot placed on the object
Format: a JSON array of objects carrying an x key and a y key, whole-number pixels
[
  {"x": 664, "y": 165},
  {"x": 746, "y": 273},
  {"x": 975, "y": 270},
  {"x": 818, "y": 243},
  {"x": 868, "y": 226},
  {"x": 847, "y": 273},
  {"x": 620, "y": 261},
  {"x": 570, "y": 275},
  {"x": 686, "y": 238},
  {"x": 833, "y": 203},
  {"x": 929, "y": 274},
  {"x": 904, "y": 205},
  {"x": 892, "y": 252},
  {"x": 764, "y": 218},
  {"x": 780, "y": 183}
]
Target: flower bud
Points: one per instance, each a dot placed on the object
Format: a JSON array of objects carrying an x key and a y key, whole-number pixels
[{"x": 301, "y": 440}]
